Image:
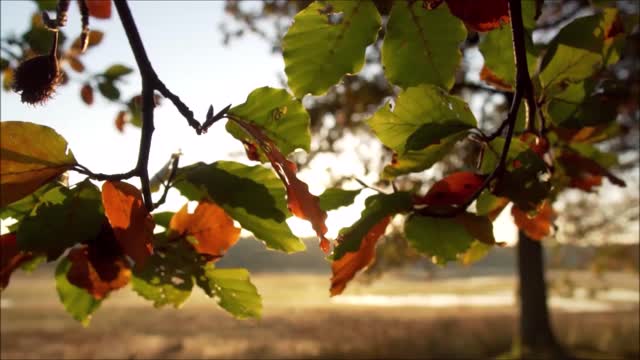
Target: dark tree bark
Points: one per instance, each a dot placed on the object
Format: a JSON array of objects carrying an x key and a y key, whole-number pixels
[{"x": 536, "y": 334}]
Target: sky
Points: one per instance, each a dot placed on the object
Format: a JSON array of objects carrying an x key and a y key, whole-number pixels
[{"x": 185, "y": 47}]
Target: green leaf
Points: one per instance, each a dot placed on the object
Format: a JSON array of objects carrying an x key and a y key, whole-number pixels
[
  {"x": 109, "y": 90},
  {"x": 377, "y": 207},
  {"x": 334, "y": 198},
  {"x": 40, "y": 39},
  {"x": 116, "y": 71},
  {"x": 422, "y": 47},
  {"x": 327, "y": 41},
  {"x": 497, "y": 49},
  {"x": 433, "y": 133},
  {"x": 580, "y": 105},
  {"x": 47, "y": 5},
  {"x": 415, "y": 107},
  {"x": 49, "y": 193},
  {"x": 163, "y": 218},
  {"x": 442, "y": 238},
  {"x": 167, "y": 277},
  {"x": 233, "y": 290},
  {"x": 475, "y": 253},
  {"x": 283, "y": 119},
  {"x": 415, "y": 161},
  {"x": 569, "y": 65},
  {"x": 487, "y": 203},
  {"x": 77, "y": 301},
  {"x": 57, "y": 226},
  {"x": 252, "y": 195},
  {"x": 31, "y": 155},
  {"x": 492, "y": 151}
]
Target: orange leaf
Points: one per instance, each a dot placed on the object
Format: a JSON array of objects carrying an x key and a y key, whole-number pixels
[
  {"x": 581, "y": 166},
  {"x": 131, "y": 222},
  {"x": 345, "y": 268},
  {"x": 100, "y": 9},
  {"x": 210, "y": 225},
  {"x": 300, "y": 201},
  {"x": 120, "y": 120},
  {"x": 586, "y": 182},
  {"x": 87, "y": 94},
  {"x": 455, "y": 189},
  {"x": 98, "y": 275},
  {"x": 10, "y": 257},
  {"x": 492, "y": 79},
  {"x": 482, "y": 15},
  {"x": 536, "y": 227}
]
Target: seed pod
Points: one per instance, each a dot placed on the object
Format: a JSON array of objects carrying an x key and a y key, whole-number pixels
[{"x": 36, "y": 79}]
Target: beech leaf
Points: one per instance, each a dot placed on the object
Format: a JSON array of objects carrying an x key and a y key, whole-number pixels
[
  {"x": 537, "y": 226},
  {"x": 10, "y": 258},
  {"x": 131, "y": 222},
  {"x": 345, "y": 268},
  {"x": 453, "y": 190},
  {"x": 99, "y": 9},
  {"x": 31, "y": 155},
  {"x": 482, "y": 15},
  {"x": 98, "y": 275},
  {"x": 77, "y": 301}
]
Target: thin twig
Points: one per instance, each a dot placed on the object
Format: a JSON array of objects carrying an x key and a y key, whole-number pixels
[{"x": 175, "y": 159}]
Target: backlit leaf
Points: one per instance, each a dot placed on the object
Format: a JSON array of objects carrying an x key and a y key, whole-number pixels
[
  {"x": 100, "y": 9},
  {"x": 97, "y": 275},
  {"x": 421, "y": 47},
  {"x": 537, "y": 226},
  {"x": 282, "y": 118},
  {"x": 475, "y": 253},
  {"x": 432, "y": 133},
  {"x": 31, "y": 155},
  {"x": 116, "y": 71},
  {"x": 77, "y": 301},
  {"x": 75, "y": 219},
  {"x": 10, "y": 258},
  {"x": 334, "y": 198},
  {"x": 441, "y": 238},
  {"x": 49, "y": 193},
  {"x": 211, "y": 227},
  {"x": 377, "y": 208},
  {"x": 109, "y": 90},
  {"x": 130, "y": 220},
  {"x": 481, "y": 15},
  {"x": 251, "y": 195},
  {"x": 490, "y": 205},
  {"x": 455, "y": 189},
  {"x": 329, "y": 39},
  {"x": 345, "y": 268},
  {"x": 95, "y": 38},
  {"x": 480, "y": 227},
  {"x": 300, "y": 201},
  {"x": 233, "y": 290}
]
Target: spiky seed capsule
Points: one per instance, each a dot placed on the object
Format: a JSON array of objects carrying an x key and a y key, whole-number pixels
[{"x": 36, "y": 79}]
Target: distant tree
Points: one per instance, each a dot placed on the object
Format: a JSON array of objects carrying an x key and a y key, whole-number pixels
[{"x": 564, "y": 98}]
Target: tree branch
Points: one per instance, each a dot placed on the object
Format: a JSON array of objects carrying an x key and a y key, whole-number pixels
[{"x": 523, "y": 88}]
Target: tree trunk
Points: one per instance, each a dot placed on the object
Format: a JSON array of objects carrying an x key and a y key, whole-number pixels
[{"x": 536, "y": 335}]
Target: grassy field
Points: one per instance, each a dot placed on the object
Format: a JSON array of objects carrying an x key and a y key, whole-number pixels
[{"x": 299, "y": 321}]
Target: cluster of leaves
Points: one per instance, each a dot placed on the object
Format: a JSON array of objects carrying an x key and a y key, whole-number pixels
[{"x": 106, "y": 238}]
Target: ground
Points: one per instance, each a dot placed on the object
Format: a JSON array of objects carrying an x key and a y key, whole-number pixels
[{"x": 398, "y": 316}]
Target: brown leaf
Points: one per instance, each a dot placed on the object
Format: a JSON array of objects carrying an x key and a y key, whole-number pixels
[
  {"x": 482, "y": 15},
  {"x": 87, "y": 94},
  {"x": 538, "y": 226},
  {"x": 479, "y": 227},
  {"x": 492, "y": 79},
  {"x": 97, "y": 275},
  {"x": 100, "y": 9},
  {"x": 300, "y": 201},
  {"x": 345, "y": 268},
  {"x": 251, "y": 150},
  {"x": 75, "y": 63},
  {"x": 581, "y": 166},
  {"x": 131, "y": 222},
  {"x": 210, "y": 225},
  {"x": 455, "y": 189},
  {"x": 10, "y": 258},
  {"x": 121, "y": 120},
  {"x": 585, "y": 182}
]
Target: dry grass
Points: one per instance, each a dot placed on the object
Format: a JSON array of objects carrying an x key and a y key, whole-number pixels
[{"x": 299, "y": 322}]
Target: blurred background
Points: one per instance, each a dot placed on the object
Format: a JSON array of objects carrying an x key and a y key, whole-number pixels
[{"x": 403, "y": 306}]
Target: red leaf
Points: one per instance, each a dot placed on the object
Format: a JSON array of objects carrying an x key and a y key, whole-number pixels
[
  {"x": 537, "y": 144},
  {"x": 300, "y": 201},
  {"x": 617, "y": 27},
  {"x": 100, "y": 9},
  {"x": 580, "y": 167},
  {"x": 131, "y": 222},
  {"x": 87, "y": 94},
  {"x": 210, "y": 225},
  {"x": 482, "y": 15},
  {"x": 453, "y": 190},
  {"x": 536, "y": 227},
  {"x": 10, "y": 257},
  {"x": 492, "y": 79},
  {"x": 586, "y": 182},
  {"x": 98, "y": 275},
  {"x": 251, "y": 150},
  {"x": 345, "y": 268},
  {"x": 120, "y": 121}
]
